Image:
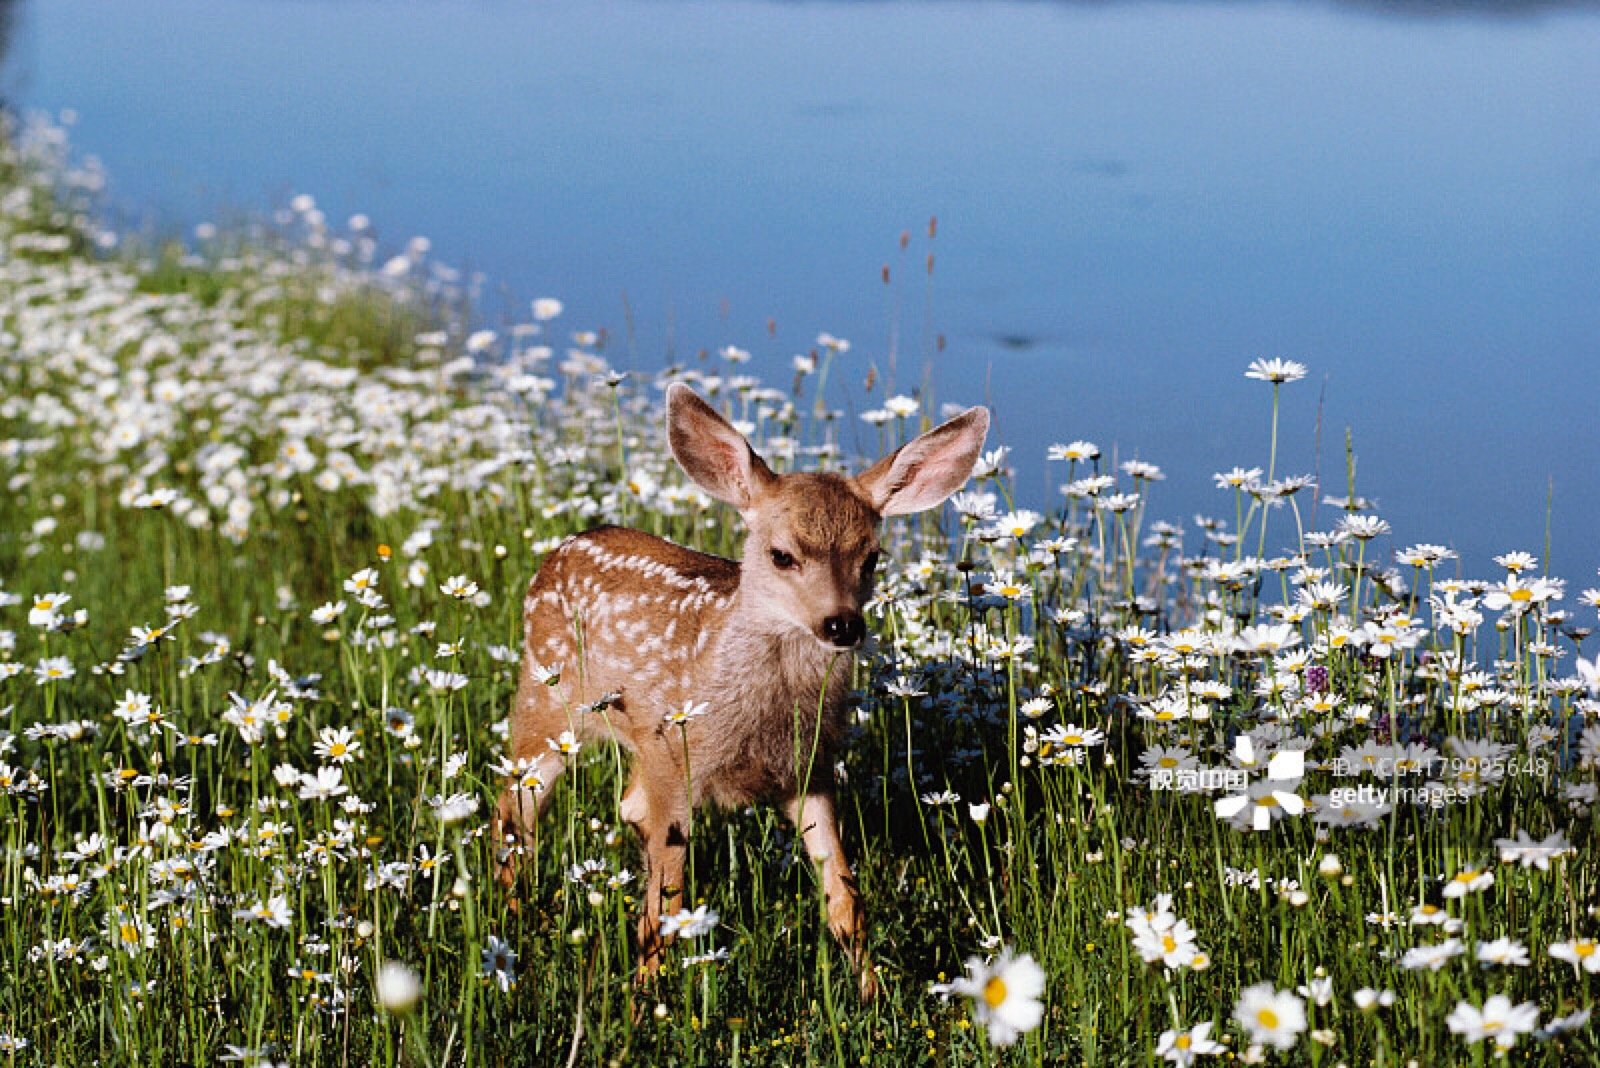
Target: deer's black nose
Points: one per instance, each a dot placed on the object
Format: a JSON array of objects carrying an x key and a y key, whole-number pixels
[{"x": 846, "y": 630}]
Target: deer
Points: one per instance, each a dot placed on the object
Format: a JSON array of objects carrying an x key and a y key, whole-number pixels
[{"x": 622, "y": 628}]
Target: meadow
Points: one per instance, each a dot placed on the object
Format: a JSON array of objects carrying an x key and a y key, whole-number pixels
[{"x": 1252, "y": 788}]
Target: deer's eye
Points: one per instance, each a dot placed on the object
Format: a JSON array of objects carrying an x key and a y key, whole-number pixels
[
  {"x": 870, "y": 564},
  {"x": 783, "y": 561}
]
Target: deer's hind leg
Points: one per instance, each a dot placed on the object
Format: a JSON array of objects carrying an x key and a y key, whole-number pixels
[{"x": 657, "y": 806}]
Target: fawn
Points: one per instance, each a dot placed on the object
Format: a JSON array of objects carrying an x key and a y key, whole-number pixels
[{"x": 639, "y": 627}]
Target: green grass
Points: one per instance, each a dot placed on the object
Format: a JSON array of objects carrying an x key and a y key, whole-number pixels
[{"x": 282, "y": 393}]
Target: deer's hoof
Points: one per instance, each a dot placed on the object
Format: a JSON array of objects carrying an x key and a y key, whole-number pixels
[
  {"x": 869, "y": 984},
  {"x": 506, "y": 876}
]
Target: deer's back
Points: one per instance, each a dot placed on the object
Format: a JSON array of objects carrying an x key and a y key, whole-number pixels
[{"x": 619, "y": 610}]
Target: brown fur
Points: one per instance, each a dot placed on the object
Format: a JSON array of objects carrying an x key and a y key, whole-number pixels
[{"x": 639, "y": 626}]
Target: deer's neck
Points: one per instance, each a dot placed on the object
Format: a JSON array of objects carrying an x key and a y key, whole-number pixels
[
  {"x": 779, "y": 697},
  {"x": 769, "y": 665}
]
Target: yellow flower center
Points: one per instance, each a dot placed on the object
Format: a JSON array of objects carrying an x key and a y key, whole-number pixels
[
  {"x": 128, "y": 932},
  {"x": 1169, "y": 943},
  {"x": 1584, "y": 948},
  {"x": 1168, "y": 762},
  {"x": 1073, "y": 739},
  {"x": 1466, "y": 876},
  {"x": 337, "y": 749},
  {"x": 1267, "y": 1019},
  {"x": 1184, "y": 1042},
  {"x": 994, "y": 992}
]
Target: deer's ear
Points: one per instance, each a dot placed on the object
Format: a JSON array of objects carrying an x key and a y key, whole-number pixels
[
  {"x": 711, "y": 452},
  {"x": 922, "y": 473}
]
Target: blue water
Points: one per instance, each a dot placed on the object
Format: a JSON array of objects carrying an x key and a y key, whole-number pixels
[{"x": 1134, "y": 201}]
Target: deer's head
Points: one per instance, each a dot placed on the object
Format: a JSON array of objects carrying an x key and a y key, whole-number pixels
[{"x": 812, "y": 548}]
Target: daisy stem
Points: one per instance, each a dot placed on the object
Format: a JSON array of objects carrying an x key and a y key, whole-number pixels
[{"x": 1272, "y": 456}]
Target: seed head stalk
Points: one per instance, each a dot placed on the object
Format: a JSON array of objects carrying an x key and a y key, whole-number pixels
[{"x": 622, "y": 448}]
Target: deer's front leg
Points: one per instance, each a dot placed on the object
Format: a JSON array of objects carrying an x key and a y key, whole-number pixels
[
  {"x": 512, "y": 832},
  {"x": 813, "y": 817},
  {"x": 661, "y": 818}
]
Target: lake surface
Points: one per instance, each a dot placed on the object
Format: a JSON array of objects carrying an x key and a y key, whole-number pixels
[{"x": 1135, "y": 200}]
